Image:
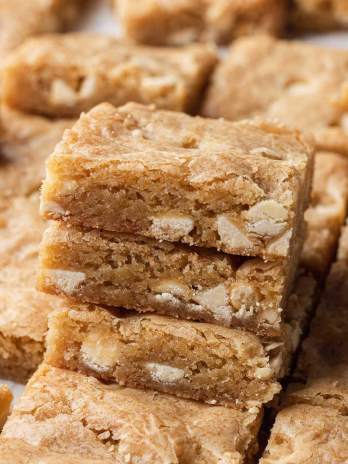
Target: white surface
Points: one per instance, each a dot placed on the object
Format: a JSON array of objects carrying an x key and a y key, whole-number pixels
[{"x": 100, "y": 19}]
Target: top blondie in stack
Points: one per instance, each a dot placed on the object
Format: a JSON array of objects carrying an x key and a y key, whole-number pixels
[{"x": 195, "y": 226}]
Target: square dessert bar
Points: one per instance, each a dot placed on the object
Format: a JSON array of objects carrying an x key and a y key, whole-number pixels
[
  {"x": 308, "y": 434},
  {"x": 322, "y": 370},
  {"x": 177, "y": 22},
  {"x": 23, "y": 310},
  {"x": 77, "y": 416},
  {"x": 21, "y": 19},
  {"x": 188, "y": 359},
  {"x": 316, "y": 15},
  {"x": 25, "y": 143},
  {"x": 327, "y": 212},
  {"x": 239, "y": 187},
  {"x": 5, "y": 404},
  {"x": 63, "y": 75},
  {"x": 300, "y": 84},
  {"x": 138, "y": 273}
]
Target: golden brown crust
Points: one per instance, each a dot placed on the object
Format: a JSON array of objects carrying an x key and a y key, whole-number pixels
[
  {"x": 299, "y": 84},
  {"x": 239, "y": 187},
  {"x": 183, "y": 21},
  {"x": 68, "y": 413},
  {"x": 308, "y": 435},
  {"x": 65, "y": 74}
]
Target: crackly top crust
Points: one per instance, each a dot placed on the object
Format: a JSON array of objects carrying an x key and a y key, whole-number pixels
[
  {"x": 327, "y": 211},
  {"x": 63, "y": 411},
  {"x": 246, "y": 162},
  {"x": 323, "y": 364},
  {"x": 25, "y": 143},
  {"x": 308, "y": 435},
  {"x": 179, "y": 22},
  {"x": 21, "y": 19},
  {"x": 70, "y": 73},
  {"x": 300, "y": 84}
]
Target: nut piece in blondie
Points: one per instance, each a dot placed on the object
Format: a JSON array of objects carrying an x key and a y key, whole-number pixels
[
  {"x": 239, "y": 187},
  {"x": 5, "y": 404},
  {"x": 23, "y": 310},
  {"x": 299, "y": 84},
  {"x": 191, "y": 360},
  {"x": 327, "y": 212},
  {"x": 77, "y": 416},
  {"x": 308, "y": 435},
  {"x": 179, "y": 22},
  {"x": 138, "y": 273},
  {"x": 316, "y": 15},
  {"x": 21, "y": 19},
  {"x": 65, "y": 74}
]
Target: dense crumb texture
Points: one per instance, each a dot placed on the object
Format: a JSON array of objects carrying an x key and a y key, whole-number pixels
[
  {"x": 68, "y": 413},
  {"x": 183, "y": 21},
  {"x": 239, "y": 187},
  {"x": 63, "y": 75},
  {"x": 137, "y": 273},
  {"x": 23, "y": 310},
  {"x": 299, "y": 84},
  {"x": 326, "y": 213},
  {"x": 342, "y": 253},
  {"x": 192, "y": 360},
  {"x": 5, "y": 404},
  {"x": 323, "y": 365},
  {"x": 319, "y": 15},
  {"x": 21, "y": 19},
  {"x": 308, "y": 435},
  {"x": 25, "y": 143}
]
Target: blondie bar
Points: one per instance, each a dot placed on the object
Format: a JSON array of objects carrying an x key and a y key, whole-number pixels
[
  {"x": 316, "y": 15},
  {"x": 188, "y": 359},
  {"x": 25, "y": 143},
  {"x": 178, "y": 22},
  {"x": 322, "y": 370},
  {"x": 149, "y": 276},
  {"x": 23, "y": 310},
  {"x": 326, "y": 213},
  {"x": 5, "y": 404},
  {"x": 21, "y": 19},
  {"x": 308, "y": 434},
  {"x": 66, "y": 412},
  {"x": 63, "y": 75},
  {"x": 300, "y": 84},
  {"x": 239, "y": 187}
]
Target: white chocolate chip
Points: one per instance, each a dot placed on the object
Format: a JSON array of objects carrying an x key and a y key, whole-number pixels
[
  {"x": 170, "y": 286},
  {"x": 268, "y": 217},
  {"x": 242, "y": 294},
  {"x": 263, "y": 373},
  {"x": 280, "y": 246},
  {"x": 157, "y": 84},
  {"x": 171, "y": 226},
  {"x": 67, "y": 281},
  {"x": 88, "y": 87},
  {"x": 62, "y": 93},
  {"x": 164, "y": 373},
  {"x": 99, "y": 352},
  {"x": 216, "y": 300},
  {"x": 230, "y": 235}
]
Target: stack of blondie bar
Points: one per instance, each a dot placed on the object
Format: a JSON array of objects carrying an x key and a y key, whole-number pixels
[{"x": 193, "y": 229}]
